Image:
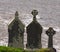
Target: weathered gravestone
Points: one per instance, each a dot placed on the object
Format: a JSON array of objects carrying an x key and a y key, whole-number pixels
[
  {"x": 34, "y": 31},
  {"x": 50, "y": 32},
  {"x": 16, "y": 33}
]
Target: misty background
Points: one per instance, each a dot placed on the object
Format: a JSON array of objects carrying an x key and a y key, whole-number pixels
[{"x": 48, "y": 16}]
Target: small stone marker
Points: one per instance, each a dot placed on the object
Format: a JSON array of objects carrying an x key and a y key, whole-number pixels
[{"x": 50, "y": 32}]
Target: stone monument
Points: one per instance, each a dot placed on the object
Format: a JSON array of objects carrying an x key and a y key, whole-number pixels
[
  {"x": 16, "y": 32},
  {"x": 50, "y": 32},
  {"x": 34, "y": 31}
]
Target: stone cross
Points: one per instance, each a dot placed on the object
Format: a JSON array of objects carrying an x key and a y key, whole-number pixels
[
  {"x": 34, "y": 13},
  {"x": 50, "y": 32}
]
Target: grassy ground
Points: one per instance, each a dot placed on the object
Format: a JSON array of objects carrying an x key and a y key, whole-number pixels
[
  {"x": 39, "y": 50},
  {"x": 10, "y": 49}
]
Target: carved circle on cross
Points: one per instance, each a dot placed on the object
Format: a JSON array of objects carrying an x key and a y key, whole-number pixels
[
  {"x": 34, "y": 12},
  {"x": 50, "y": 31}
]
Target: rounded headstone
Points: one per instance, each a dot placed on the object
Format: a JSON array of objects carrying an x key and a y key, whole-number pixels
[{"x": 34, "y": 30}]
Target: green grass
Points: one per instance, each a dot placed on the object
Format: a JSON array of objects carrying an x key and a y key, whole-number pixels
[
  {"x": 11, "y": 49},
  {"x": 43, "y": 50},
  {"x": 40, "y": 50}
]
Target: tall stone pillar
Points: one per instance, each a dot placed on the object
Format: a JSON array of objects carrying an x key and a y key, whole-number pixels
[
  {"x": 34, "y": 31},
  {"x": 50, "y": 32},
  {"x": 16, "y": 33}
]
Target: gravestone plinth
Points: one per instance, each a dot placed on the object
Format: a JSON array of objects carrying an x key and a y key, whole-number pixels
[
  {"x": 50, "y": 32},
  {"x": 53, "y": 50},
  {"x": 34, "y": 31},
  {"x": 16, "y": 33}
]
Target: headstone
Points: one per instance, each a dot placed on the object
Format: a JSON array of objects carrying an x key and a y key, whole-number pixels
[
  {"x": 50, "y": 32},
  {"x": 34, "y": 31},
  {"x": 16, "y": 32}
]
